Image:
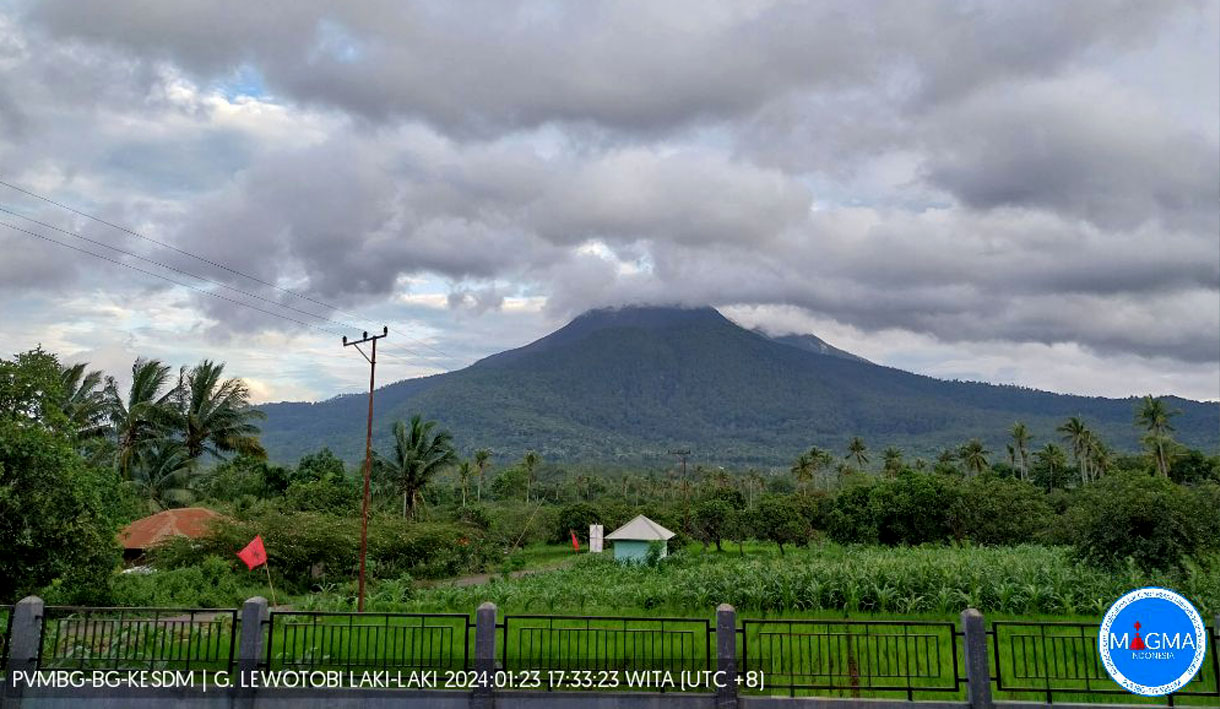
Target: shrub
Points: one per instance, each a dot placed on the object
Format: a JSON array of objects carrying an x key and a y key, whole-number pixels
[
  {"x": 851, "y": 519},
  {"x": 1001, "y": 511},
  {"x": 56, "y": 517},
  {"x": 574, "y": 518},
  {"x": 1148, "y": 519},
  {"x": 335, "y": 495},
  {"x": 309, "y": 549},
  {"x": 212, "y": 583},
  {"x": 913, "y": 508}
]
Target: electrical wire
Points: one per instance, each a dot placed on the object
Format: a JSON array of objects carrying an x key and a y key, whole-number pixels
[{"x": 216, "y": 264}]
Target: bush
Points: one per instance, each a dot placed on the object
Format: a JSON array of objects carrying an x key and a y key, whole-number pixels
[
  {"x": 309, "y": 549},
  {"x": 914, "y": 508},
  {"x": 851, "y": 519},
  {"x": 574, "y": 518},
  {"x": 519, "y": 523},
  {"x": 335, "y": 495},
  {"x": 1001, "y": 511},
  {"x": 1148, "y": 519},
  {"x": 58, "y": 515},
  {"x": 56, "y": 518},
  {"x": 212, "y": 583}
]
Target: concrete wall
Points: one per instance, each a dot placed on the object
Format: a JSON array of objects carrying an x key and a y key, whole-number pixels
[{"x": 635, "y": 550}]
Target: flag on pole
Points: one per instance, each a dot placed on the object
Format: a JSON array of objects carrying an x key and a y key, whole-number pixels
[
  {"x": 254, "y": 554},
  {"x": 575, "y": 543}
]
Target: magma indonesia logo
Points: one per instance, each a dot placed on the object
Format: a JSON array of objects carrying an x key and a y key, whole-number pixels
[{"x": 1152, "y": 642}]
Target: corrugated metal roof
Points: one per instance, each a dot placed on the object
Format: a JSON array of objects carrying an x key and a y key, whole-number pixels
[
  {"x": 640, "y": 529},
  {"x": 152, "y": 530}
]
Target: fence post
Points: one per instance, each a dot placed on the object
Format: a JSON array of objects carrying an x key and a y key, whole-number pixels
[
  {"x": 726, "y": 656},
  {"x": 250, "y": 648},
  {"x": 978, "y": 672},
  {"x": 484, "y": 656},
  {"x": 25, "y": 645}
]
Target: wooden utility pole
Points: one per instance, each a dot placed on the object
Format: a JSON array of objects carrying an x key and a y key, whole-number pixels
[
  {"x": 368, "y": 455},
  {"x": 681, "y": 456}
]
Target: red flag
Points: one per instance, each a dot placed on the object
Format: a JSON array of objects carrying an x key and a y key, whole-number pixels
[
  {"x": 575, "y": 543},
  {"x": 254, "y": 554}
]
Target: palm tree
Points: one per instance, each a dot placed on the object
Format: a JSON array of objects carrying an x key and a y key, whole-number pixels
[
  {"x": 1076, "y": 435},
  {"x": 1051, "y": 459},
  {"x": 464, "y": 471},
  {"x": 802, "y": 470},
  {"x": 530, "y": 462},
  {"x": 974, "y": 456},
  {"x": 143, "y": 414},
  {"x": 822, "y": 460},
  {"x": 754, "y": 484},
  {"x": 83, "y": 401},
  {"x": 857, "y": 451},
  {"x": 891, "y": 461},
  {"x": 214, "y": 414},
  {"x": 1020, "y": 440},
  {"x": 481, "y": 458},
  {"x": 419, "y": 454},
  {"x": 163, "y": 473},
  {"x": 1099, "y": 455},
  {"x": 1155, "y": 417}
]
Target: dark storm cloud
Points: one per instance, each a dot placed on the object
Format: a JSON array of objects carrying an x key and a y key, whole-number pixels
[
  {"x": 1081, "y": 148},
  {"x": 490, "y": 67},
  {"x": 1038, "y": 172}
]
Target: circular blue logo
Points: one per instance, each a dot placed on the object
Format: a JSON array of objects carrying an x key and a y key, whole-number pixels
[{"x": 1152, "y": 641}]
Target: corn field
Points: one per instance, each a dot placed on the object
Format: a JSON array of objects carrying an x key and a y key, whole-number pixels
[{"x": 937, "y": 581}]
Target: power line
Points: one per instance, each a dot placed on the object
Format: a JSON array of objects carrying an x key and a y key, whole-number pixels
[
  {"x": 168, "y": 279},
  {"x": 205, "y": 279},
  {"x": 203, "y": 259}
]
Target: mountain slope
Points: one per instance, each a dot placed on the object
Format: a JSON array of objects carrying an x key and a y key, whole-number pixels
[
  {"x": 626, "y": 385},
  {"x": 812, "y": 343}
]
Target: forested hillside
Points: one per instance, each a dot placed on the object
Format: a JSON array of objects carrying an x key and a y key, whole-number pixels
[{"x": 627, "y": 385}]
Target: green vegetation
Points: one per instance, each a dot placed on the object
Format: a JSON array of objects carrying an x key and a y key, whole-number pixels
[
  {"x": 917, "y": 536},
  {"x": 822, "y": 581},
  {"x": 619, "y": 388},
  {"x": 57, "y": 515}
]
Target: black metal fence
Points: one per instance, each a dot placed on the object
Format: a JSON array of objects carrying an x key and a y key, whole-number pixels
[
  {"x": 592, "y": 652},
  {"x": 1060, "y": 659},
  {"x": 187, "y": 639},
  {"x": 1041, "y": 660},
  {"x": 369, "y": 641},
  {"x": 853, "y": 658}
]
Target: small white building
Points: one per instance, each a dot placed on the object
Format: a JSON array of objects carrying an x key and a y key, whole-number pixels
[{"x": 631, "y": 541}]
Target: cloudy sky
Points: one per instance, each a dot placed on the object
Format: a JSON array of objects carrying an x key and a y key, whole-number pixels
[{"x": 1012, "y": 192}]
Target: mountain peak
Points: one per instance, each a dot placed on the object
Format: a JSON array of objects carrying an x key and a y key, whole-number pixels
[{"x": 649, "y": 316}]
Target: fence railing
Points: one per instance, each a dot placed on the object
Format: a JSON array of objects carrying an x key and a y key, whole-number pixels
[
  {"x": 556, "y": 645},
  {"x": 369, "y": 641},
  {"x": 853, "y": 658},
  {"x": 1060, "y": 659},
  {"x": 1010, "y": 660},
  {"x": 187, "y": 639}
]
